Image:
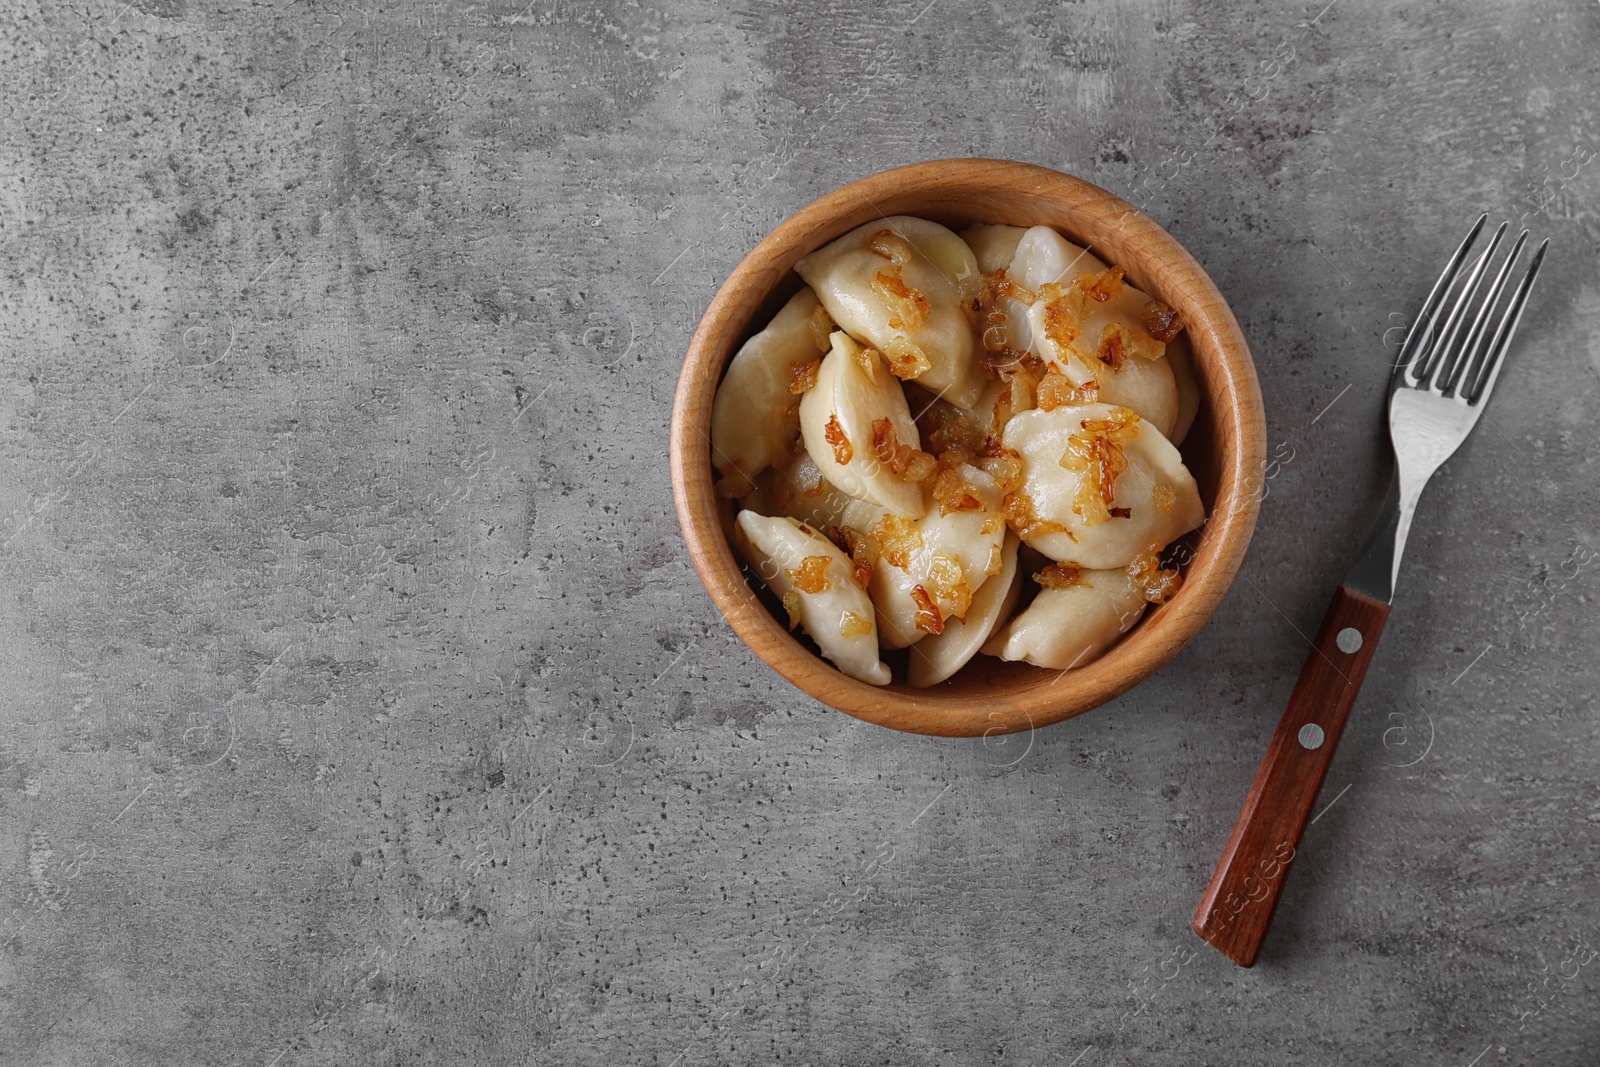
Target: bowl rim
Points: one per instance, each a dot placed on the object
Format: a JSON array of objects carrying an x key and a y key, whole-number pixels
[{"x": 1152, "y": 258}]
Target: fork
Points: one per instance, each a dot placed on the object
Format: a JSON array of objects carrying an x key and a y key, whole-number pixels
[{"x": 1447, "y": 367}]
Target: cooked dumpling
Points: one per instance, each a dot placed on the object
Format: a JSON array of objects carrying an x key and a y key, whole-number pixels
[
  {"x": 901, "y": 284},
  {"x": 1000, "y": 400},
  {"x": 1089, "y": 324},
  {"x": 928, "y": 570},
  {"x": 1181, "y": 357},
  {"x": 753, "y": 415},
  {"x": 1008, "y": 331},
  {"x": 1003, "y": 300},
  {"x": 944, "y": 426},
  {"x": 815, "y": 582},
  {"x": 798, "y": 489},
  {"x": 993, "y": 246},
  {"x": 1043, "y": 257},
  {"x": 937, "y": 657},
  {"x": 858, "y": 430},
  {"x": 1073, "y": 620},
  {"x": 1149, "y": 387},
  {"x": 1099, "y": 485}
]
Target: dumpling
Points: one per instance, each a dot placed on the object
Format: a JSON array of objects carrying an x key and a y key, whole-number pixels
[
  {"x": 1042, "y": 257},
  {"x": 994, "y": 247},
  {"x": 1181, "y": 356},
  {"x": 927, "y": 571},
  {"x": 901, "y": 284},
  {"x": 1003, "y": 301},
  {"x": 815, "y": 582},
  {"x": 1099, "y": 485},
  {"x": 1148, "y": 386},
  {"x": 1089, "y": 325},
  {"x": 753, "y": 415},
  {"x": 1072, "y": 621},
  {"x": 858, "y": 430},
  {"x": 1046, "y": 258},
  {"x": 1001, "y": 400},
  {"x": 937, "y": 657},
  {"x": 799, "y": 491},
  {"x": 944, "y": 426}
]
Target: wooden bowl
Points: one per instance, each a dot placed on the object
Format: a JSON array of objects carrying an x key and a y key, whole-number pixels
[{"x": 1224, "y": 449}]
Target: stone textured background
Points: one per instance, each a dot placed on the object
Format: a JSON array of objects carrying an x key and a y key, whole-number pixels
[{"x": 359, "y": 704}]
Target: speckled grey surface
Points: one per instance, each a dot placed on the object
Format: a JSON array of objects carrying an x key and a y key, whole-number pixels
[{"x": 360, "y": 705}]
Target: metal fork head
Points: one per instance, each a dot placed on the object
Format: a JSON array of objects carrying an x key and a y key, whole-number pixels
[
  {"x": 1452, "y": 357},
  {"x": 1450, "y": 351},
  {"x": 1448, "y": 365}
]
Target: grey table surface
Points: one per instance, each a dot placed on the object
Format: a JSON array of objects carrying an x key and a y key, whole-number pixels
[{"x": 360, "y": 704}]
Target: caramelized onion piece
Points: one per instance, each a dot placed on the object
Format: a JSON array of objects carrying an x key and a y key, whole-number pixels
[
  {"x": 908, "y": 307},
  {"x": 905, "y": 462},
  {"x": 1022, "y": 373},
  {"x": 1006, "y": 404},
  {"x": 1116, "y": 344},
  {"x": 906, "y": 360},
  {"x": 1102, "y": 287},
  {"x": 951, "y": 491},
  {"x": 1056, "y": 390},
  {"x": 812, "y": 575},
  {"x": 1097, "y": 450},
  {"x": 1120, "y": 424},
  {"x": 853, "y": 625},
  {"x": 867, "y": 360},
  {"x": 890, "y": 246},
  {"x": 1156, "y": 584},
  {"x": 834, "y": 434},
  {"x": 929, "y": 621},
  {"x": 897, "y": 539},
  {"x": 863, "y": 557},
  {"x": 1063, "y": 314},
  {"x": 949, "y": 583},
  {"x": 1004, "y": 465},
  {"x": 1162, "y": 321},
  {"x": 792, "y": 604},
  {"x": 1019, "y": 513},
  {"x": 1059, "y": 576},
  {"x": 803, "y": 375}
]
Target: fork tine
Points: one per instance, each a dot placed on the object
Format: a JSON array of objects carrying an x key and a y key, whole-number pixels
[
  {"x": 1468, "y": 364},
  {"x": 1508, "y": 326},
  {"x": 1438, "y": 364},
  {"x": 1421, "y": 333}
]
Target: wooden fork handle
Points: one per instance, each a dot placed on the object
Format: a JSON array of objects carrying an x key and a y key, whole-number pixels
[{"x": 1238, "y": 905}]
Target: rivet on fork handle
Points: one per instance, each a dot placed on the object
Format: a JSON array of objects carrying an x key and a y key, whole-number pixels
[{"x": 1237, "y": 907}]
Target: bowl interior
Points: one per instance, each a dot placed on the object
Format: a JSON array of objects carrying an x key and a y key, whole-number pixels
[{"x": 1221, "y": 449}]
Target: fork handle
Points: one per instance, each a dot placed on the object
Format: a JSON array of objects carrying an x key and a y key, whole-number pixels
[{"x": 1238, "y": 905}]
